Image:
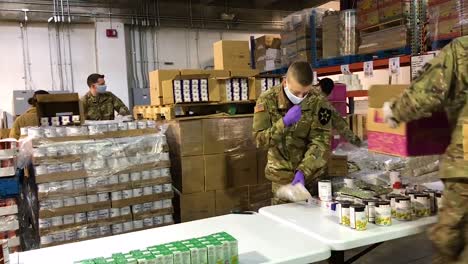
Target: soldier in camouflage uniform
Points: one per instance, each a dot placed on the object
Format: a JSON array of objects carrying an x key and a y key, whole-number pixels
[
  {"x": 338, "y": 122},
  {"x": 27, "y": 119},
  {"x": 98, "y": 104},
  {"x": 294, "y": 123},
  {"x": 444, "y": 84}
]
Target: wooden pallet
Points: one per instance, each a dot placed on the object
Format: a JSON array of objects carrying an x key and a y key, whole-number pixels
[{"x": 171, "y": 112}]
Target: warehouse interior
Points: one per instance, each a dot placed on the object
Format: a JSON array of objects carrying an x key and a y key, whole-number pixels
[{"x": 202, "y": 131}]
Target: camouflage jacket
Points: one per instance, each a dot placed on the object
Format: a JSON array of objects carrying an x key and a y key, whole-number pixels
[
  {"x": 443, "y": 83},
  {"x": 25, "y": 120},
  {"x": 304, "y": 146},
  {"x": 102, "y": 107},
  {"x": 342, "y": 127}
]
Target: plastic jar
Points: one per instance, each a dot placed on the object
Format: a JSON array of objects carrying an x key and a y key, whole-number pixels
[
  {"x": 344, "y": 213},
  {"x": 325, "y": 190},
  {"x": 422, "y": 205},
  {"x": 403, "y": 209},
  {"x": 370, "y": 209},
  {"x": 432, "y": 200},
  {"x": 391, "y": 197},
  {"x": 383, "y": 213}
]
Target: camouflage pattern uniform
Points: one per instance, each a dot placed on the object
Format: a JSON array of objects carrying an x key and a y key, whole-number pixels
[
  {"x": 340, "y": 124},
  {"x": 102, "y": 106},
  {"x": 25, "y": 120},
  {"x": 304, "y": 146},
  {"x": 444, "y": 84}
]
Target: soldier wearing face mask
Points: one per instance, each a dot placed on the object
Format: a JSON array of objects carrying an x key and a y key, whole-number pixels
[
  {"x": 293, "y": 121},
  {"x": 98, "y": 104}
]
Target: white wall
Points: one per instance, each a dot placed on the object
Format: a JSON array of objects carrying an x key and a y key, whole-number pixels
[{"x": 185, "y": 48}]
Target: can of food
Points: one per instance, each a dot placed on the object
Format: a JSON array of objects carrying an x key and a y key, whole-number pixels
[
  {"x": 127, "y": 194},
  {"x": 65, "y": 167},
  {"x": 155, "y": 173},
  {"x": 124, "y": 178},
  {"x": 69, "y": 201},
  {"x": 93, "y": 231},
  {"x": 102, "y": 181},
  {"x": 147, "y": 206},
  {"x": 151, "y": 124},
  {"x": 92, "y": 216},
  {"x": 125, "y": 210},
  {"x": 438, "y": 196},
  {"x": 79, "y": 200},
  {"x": 61, "y": 151},
  {"x": 432, "y": 200},
  {"x": 128, "y": 226},
  {"x": 103, "y": 214},
  {"x": 422, "y": 205},
  {"x": 67, "y": 185},
  {"x": 157, "y": 189},
  {"x": 103, "y": 197},
  {"x": 39, "y": 152},
  {"x": 167, "y": 187},
  {"x": 75, "y": 166},
  {"x": 58, "y": 237},
  {"x": 325, "y": 190},
  {"x": 113, "y": 127},
  {"x": 344, "y": 213},
  {"x": 61, "y": 131},
  {"x": 167, "y": 203},
  {"x": 41, "y": 169},
  {"x": 122, "y": 126},
  {"x": 117, "y": 195},
  {"x": 137, "y": 208},
  {"x": 105, "y": 230},
  {"x": 117, "y": 229},
  {"x": 131, "y": 125},
  {"x": 55, "y": 186},
  {"x": 74, "y": 131},
  {"x": 56, "y": 203},
  {"x": 135, "y": 176},
  {"x": 370, "y": 209},
  {"x": 79, "y": 184},
  {"x": 168, "y": 219},
  {"x": 148, "y": 222},
  {"x": 80, "y": 217},
  {"x": 148, "y": 190},
  {"x": 158, "y": 220},
  {"x": 35, "y": 132},
  {"x": 138, "y": 224},
  {"x": 70, "y": 235},
  {"x": 166, "y": 172},
  {"x": 57, "y": 221},
  {"x": 137, "y": 192},
  {"x": 383, "y": 213},
  {"x": 45, "y": 223},
  {"x": 45, "y": 205},
  {"x": 146, "y": 175},
  {"x": 43, "y": 187},
  {"x": 45, "y": 240},
  {"x": 52, "y": 168},
  {"x": 50, "y": 132},
  {"x": 92, "y": 198},
  {"x": 114, "y": 212},
  {"x": 392, "y": 198},
  {"x": 68, "y": 219},
  {"x": 141, "y": 124},
  {"x": 113, "y": 179},
  {"x": 93, "y": 129},
  {"x": 82, "y": 233},
  {"x": 357, "y": 216},
  {"x": 157, "y": 205},
  {"x": 403, "y": 208}
]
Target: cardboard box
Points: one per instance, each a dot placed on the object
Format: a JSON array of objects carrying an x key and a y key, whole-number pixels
[
  {"x": 238, "y": 134},
  {"x": 231, "y": 199},
  {"x": 185, "y": 137},
  {"x": 188, "y": 174},
  {"x": 242, "y": 168},
  {"x": 231, "y": 55},
  {"x": 213, "y": 136},
  {"x": 338, "y": 165},
  {"x": 196, "y": 206},
  {"x": 51, "y": 105},
  {"x": 268, "y": 42},
  {"x": 156, "y": 78},
  {"x": 216, "y": 173},
  {"x": 260, "y": 196},
  {"x": 426, "y": 136}
]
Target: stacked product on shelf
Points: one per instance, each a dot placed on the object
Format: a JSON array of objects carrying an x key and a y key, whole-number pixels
[
  {"x": 98, "y": 180},
  {"x": 9, "y": 223},
  {"x": 296, "y": 39},
  {"x": 9, "y": 184},
  {"x": 216, "y": 167},
  {"x": 264, "y": 83},
  {"x": 351, "y": 81},
  {"x": 383, "y": 25},
  {"x": 447, "y": 19},
  {"x": 339, "y": 33},
  {"x": 267, "y": 53}
]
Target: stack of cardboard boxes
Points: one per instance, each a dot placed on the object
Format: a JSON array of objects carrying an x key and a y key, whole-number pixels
[
  {"x": 447, "y": 19},
  {"x": 267, "y": 53},
  {"x": 216, "y": 167}
]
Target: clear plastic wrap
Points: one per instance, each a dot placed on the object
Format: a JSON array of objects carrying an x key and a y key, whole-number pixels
[
  {"x": 105, "y": 182},
  {"x": 293, "y": 193},
  {"x": 447, "y": 19}
]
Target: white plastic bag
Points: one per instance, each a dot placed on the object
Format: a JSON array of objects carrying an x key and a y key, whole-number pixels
[{"x": 293, "y": 193}]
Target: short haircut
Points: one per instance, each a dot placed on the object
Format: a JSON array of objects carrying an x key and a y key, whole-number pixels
[
  {"x": 33, "y": 101},
  {"x": 326, "y": 84},
  {"x": 301, "y": 72},
  {"x": 93, "y": 78}
]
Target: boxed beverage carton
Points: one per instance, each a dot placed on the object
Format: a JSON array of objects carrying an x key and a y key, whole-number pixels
[
  {"x": 231, "y": 55},
  {"x": 426, "y": 136},
  {"x": 188, "y": 89}
]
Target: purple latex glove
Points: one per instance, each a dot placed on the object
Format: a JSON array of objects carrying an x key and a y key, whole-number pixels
[
  {"x": 292, "y": 116},
  {"x": 299, "y": 178}
]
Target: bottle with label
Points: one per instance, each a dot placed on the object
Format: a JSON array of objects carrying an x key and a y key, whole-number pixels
[
  {"x": 358, "y": 218},
  {"x": 345, "y": 213},
  {"x": 422, "y": 205},
  {"x": 383, "y": 213},
  {"x": 403, "y": 209},
  {"x": 370, "y": 209}
]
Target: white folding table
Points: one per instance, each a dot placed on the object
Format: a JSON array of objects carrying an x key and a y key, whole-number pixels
[
  {"x": 261, "y": 240},
  {"x": 320, "y": 224}
]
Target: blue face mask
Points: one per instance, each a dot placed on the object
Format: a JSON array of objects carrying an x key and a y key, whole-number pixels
[{"x": 101, "y": 88}]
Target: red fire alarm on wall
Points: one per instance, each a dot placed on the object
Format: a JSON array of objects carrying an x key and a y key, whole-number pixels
[{"x": 111, "y": 33}]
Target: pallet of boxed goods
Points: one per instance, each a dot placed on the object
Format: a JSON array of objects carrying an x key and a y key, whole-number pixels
[
  {"x": 446, "y": 21},
  {"x": 267, "y": 53},
  {"x": 100, "y": 179}
]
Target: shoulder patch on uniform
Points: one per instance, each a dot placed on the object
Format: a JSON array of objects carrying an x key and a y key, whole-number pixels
[
  {"x": 259, "y": 108},
  {"x": 324, "y": 116}
]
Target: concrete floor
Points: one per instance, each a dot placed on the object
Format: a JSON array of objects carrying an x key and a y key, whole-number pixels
[{"x": 410, "y": 250}]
